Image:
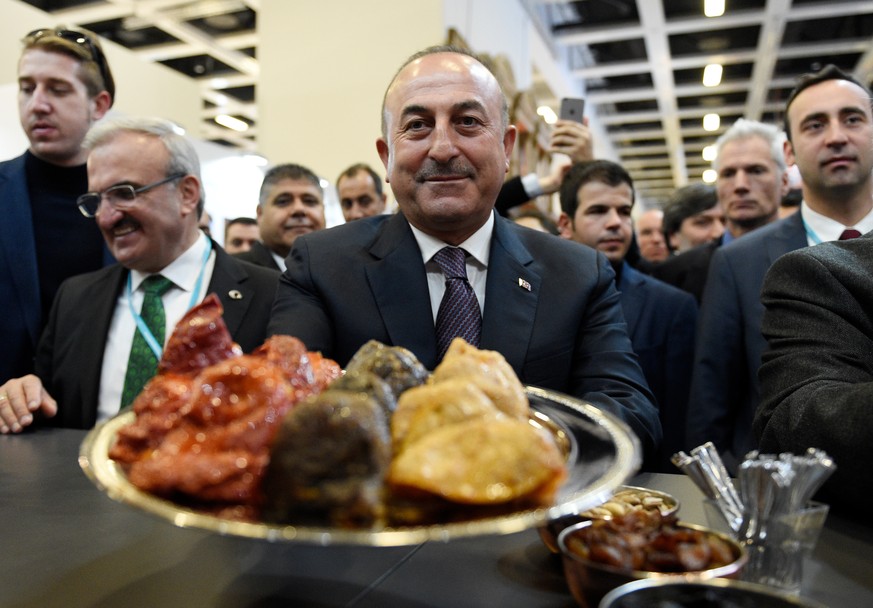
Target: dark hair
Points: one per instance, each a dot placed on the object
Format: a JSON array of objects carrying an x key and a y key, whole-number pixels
[
  {"x": 604, "y": 171},
  {"x": 686, "y": 202},
  {"x": 829, "y": 72},
  {"x": 359, "y": 167},
  {"x": 83, "y": 46},
  {"x": 286, "y": 171},
  {"x": 446, "y": 48},
  {"x": 248, "y": 221}
]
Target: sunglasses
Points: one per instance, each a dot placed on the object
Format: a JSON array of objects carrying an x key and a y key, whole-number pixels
[{"x": 84, "y": 41}]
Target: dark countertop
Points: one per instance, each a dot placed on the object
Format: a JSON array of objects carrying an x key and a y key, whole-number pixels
[{"x": 65, "y": 543}]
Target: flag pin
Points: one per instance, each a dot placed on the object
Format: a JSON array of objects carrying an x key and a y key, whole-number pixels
[{"x": 523, "y": 284}]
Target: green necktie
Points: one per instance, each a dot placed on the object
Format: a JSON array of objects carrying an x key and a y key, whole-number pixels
[{"x": 142, "y": 363}]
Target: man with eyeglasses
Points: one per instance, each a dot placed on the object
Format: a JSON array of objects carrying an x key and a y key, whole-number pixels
[
  {"x": 146, "y": 200},
  {"x": 64, "y": 86}
]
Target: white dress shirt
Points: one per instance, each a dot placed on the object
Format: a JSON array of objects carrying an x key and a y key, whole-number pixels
[{"x": 184, "y": 272}]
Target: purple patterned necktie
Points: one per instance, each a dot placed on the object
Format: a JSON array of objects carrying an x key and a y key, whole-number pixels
[
  {"x": 849, "y": 233},
  {"x": 459, "y": 314}
]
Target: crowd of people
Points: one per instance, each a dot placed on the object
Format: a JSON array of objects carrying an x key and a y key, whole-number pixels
[{"x": 655, "y": 315}]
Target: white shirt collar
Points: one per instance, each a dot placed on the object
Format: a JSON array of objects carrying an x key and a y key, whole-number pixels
[
  {"x": 827, "y": 229},
  {"x": 183, "y": 271},
  {"x": 478, "y": 246}
]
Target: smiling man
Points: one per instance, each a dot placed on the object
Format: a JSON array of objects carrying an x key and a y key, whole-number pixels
[
  {"x": 64, "y": 86},
  {"x": 146, "y": 199},
  {"x": 829, "y": 126},
  {"x": 548, "y": 305},
  {"x": 290, "y": 204}
]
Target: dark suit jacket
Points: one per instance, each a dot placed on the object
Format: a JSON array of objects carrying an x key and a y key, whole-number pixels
[
  {"x": 661, "y": 321},
  {"x": 70, "y": 355},
  {"x": 259, "y": 255},
  {"x": 563, "y": 329},
  {"x": 688, "y": 270},
  {"x": 19, "y": 278},
  {"x": 724, "y": 389},
  {"x": 817, "y": 376}
]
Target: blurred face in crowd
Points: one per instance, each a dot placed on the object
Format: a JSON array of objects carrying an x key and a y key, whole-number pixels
[
  {"x": 54, "y": 107},
  {"x": 750, "y": 184},
  {"x": 293, "y": 207},
  {"x": 831, "y": 137},
  {"x": 162, "y": 223},
  {"x": 602, "y": 219},
  {"x": 698, "y": 229},
  {"x": 240, "y": 237},
  {"x": 445, "y": 147},
  {"x": 650, "y": 236},
  {"x": 358, "y": 197}
]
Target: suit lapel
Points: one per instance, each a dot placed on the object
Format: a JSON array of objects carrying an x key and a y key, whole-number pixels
[
  {"x": 398, "y": 282},
  {"x": 228, "y": 283},
  {"x": 632, "y": 297},
  {"x": 511, "y": 295},
  {"x": 791, "y": 235}
]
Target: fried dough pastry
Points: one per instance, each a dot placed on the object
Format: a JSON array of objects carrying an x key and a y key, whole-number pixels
[
  {"x": 425, "y": 408},
  {"x": 304, "y": 370},
  {"x": 329, "y": 462},
  {"x": 488, "y": 370},
  {"x": 482, "y": 462}
]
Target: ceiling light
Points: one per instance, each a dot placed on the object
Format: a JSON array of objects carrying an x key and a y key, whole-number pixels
[
  {"x": 712, "y": 75},
  {"x": 230, "y": 122},
  {"x": 548, "y": 114},
  {"x": 710, "y": 122},
  {"x": 709, "y": 176},
  {"x": 713, "y": 8},
  {"x": 709, "y": 153}
]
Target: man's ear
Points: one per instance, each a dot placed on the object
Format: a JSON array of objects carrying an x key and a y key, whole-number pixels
[
  {"x": 565, "y": 226},
  {"x": 385, "y": 155},
  {"x": 189, "y": 188},
  {"x": 101, "y": 104}
]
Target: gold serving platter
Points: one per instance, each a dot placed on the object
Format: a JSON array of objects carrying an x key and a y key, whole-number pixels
[{"x": 602, "y": 452}]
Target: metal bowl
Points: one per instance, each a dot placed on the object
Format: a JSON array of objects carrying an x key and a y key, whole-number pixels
[
  {"x": 549, "y": 532},
  {"x": 590, "y": 581},
  {"x": 715, "y": 593}
]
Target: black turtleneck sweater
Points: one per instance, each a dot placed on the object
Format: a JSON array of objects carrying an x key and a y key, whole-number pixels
[{"x": 67, "y": 242}]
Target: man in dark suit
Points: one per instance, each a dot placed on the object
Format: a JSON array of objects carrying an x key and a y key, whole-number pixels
[
  {"x": 65, "y": 85},
  {"x": 748, "y": 157},
  {"x": 291, "y": 203},
  {"x": 147, "y": 201},
  {"x": 548, "y": 305},
  {"x": 817, "y": 376},
  {"x": 828, "y": 120},
  {"x": 597, "y": 199}
]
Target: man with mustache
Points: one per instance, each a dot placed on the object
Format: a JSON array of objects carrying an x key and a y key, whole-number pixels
[
  {"x": 146, "y": 200},
  {"x": 548, "y": 305},
  {"x": 597, "y": 199},
  {"x": 829, "y": 128},
  {"x": 64, "y": 86},
  {"x": 291, "y": 203}
]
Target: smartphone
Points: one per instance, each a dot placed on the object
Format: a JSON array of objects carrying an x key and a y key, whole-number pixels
[{"x": 572, "y": 109}]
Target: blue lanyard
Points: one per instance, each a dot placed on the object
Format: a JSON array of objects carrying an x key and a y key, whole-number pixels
[
  {"x": 158, "y": 349},
  {"x": 809, "y": 232}
]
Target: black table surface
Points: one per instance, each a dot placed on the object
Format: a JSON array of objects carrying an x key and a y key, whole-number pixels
[{"x": 65, "y": 543}]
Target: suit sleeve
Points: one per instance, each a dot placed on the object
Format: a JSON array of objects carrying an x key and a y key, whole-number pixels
[
  {"x": 298, "y": 310},
  {"x": 512, "y": 194},
  {"x": 817, "y": 377},
  {"x": 719, "y": 378}
]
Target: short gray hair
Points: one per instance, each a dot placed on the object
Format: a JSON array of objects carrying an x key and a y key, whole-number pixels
[
  {"x": 744, "y": 129},
  {"x": 183, "y": 156}
]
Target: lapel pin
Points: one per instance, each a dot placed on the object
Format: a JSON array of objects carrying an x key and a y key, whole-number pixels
[
  {"x": 523, "y": 284},
  {"x": 234, "y": 294}
]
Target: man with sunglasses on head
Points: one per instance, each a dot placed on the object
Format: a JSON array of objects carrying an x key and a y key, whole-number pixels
[
  {"x": 146, "y": 200},
  {"x": 64, "y": 86}
]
